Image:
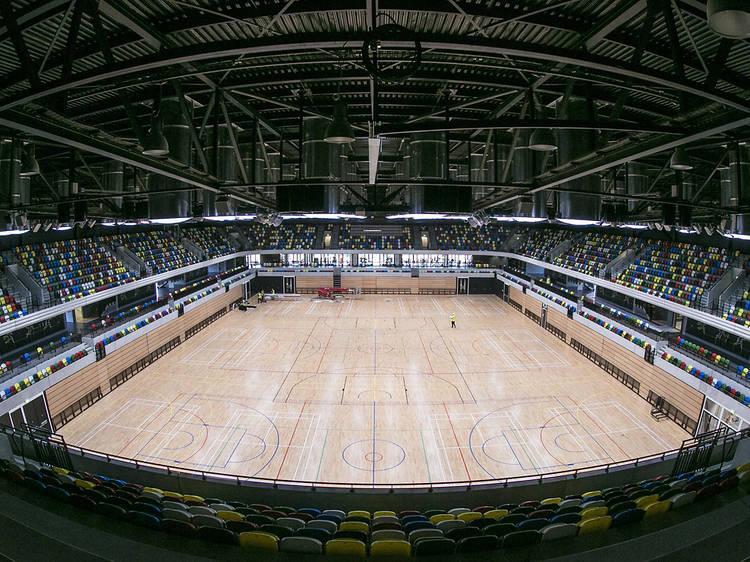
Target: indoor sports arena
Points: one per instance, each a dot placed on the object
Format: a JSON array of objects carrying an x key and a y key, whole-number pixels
[{"x": 289, "y": 280}]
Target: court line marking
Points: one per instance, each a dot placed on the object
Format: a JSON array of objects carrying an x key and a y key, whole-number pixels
[
  {"x": 426, "y": 462},
  {"x": 286, "y": 452},
  {"x": 162, "y": 429},
  {"x": 457, "y": 443}
]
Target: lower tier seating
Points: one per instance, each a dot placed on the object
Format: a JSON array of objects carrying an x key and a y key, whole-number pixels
[{"x": 357, "y": 533}]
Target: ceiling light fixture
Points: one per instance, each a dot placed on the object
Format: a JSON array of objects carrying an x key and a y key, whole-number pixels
[
  {"x": 729, "y": 18},
  {"x": 680, "y": 160},
  {"x": 339, "y": 130}
]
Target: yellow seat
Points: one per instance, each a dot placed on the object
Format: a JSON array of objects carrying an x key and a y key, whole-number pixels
[
  {"x": 85, "y": 484},
  {"x": 645, "y": 501},
  {"x": 469, "y": 516},
  {"x": 592, "y": 493},
  {"x": 358, "y": 513},
  {"x": 742, "y": 468},
  {"x": 59, "y": 470},
  {"x": 189, "y": 498},
  {"x": 435, "y": 519},
  {"x": 496, "y": 513},
  {"x": 168, "y": 494},
  {"x": 595, "y": 525},
  {"x": 154, "y": 490},
  {"x": 390, "y": 548},
  {"x": 345, "y": 547},
  {"x": 549, "y": 501},
  {"x": 259, "y": 539},
  {"x": 230, "y": 515},
  {"x": 384, "y": 514},
  {"x": 657, "y": 508},
  {"x": 354, "y": 526},
  {"x": 593, "y": 512}
]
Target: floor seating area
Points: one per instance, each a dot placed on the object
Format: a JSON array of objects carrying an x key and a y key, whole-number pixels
[
  {"x": 675, "y": 271},
  {"x": 359, "y": 533},
  {"x": 213, "y": 241},
  {"x": 538, "y": 243},
  {"x": 707, "y": 378},
  {"x": 741, "y": 311},
  {"x": 158, "y": 250},
  {"x": 284, "y": 237},
  {"x": 402, "y": 241},
  {"x": 591, "y": 254},
  {"x": 9, "y": 309},
  {"x": 461, "y": 236},
  {"x": 69, "y": 269},
  {"x": 41, "y": 374}
]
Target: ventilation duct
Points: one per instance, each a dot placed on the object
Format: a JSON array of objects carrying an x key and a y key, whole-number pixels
[
  {"x": 113, "y": 179},
  {"x": 175, "y": 203},
  {"x": 10, "y": 166},
  {"x": 522, "y": 171},
  {"x": 225, "y": 163},
  {"x": 321, "y": 159},
  {"x": 738, "y": 187},
  {"x": 428, "y": 157},
  {"x": 637, "y": 182},
  {"x": 572, "y": 145}
]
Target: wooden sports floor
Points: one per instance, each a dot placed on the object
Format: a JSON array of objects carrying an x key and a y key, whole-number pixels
[{"x": 374, "y": 389}]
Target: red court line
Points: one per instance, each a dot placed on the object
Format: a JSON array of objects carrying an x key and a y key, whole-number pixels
[
  {"x": 457, "y": 445},
  {"x": 324, "y": 352},
  {"x": 149, "y": 423},
  {"x": 599, "y": 426},
  {"x": 291, "y": 439},
  {"x": 205, "y": 438},
  {"x": 425, "y": 354}
]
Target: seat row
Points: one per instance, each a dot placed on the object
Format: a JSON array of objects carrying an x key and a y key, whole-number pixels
[
  {"x": 359, "y": 532},
  {"x": 212, "y": 241},
  {"x": 157, "y": 250},
  {"x": 595, "y": 251}
]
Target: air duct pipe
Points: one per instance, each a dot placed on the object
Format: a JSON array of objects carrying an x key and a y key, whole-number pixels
[
  {"x": 321, "y": 160},
  {"x": 637, "y": 182},
  {"x": 573, "y": 144},
  {"x": 739, "y": 187},
  {"x": 523, "y": 170},
  {"x": 113, "y": 179},
  {"x": 175, "y": 203},
  {"x": 10, "y": 167}
]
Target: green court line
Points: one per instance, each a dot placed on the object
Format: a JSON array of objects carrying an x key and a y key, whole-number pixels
[
  {"x": 320, "y": 462},
  {"x": 429, "y": 477},
  {"x": 525, "y": 452}
]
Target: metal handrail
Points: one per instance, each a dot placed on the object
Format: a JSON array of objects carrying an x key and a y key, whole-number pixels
[{"x": 429, "y": 486}]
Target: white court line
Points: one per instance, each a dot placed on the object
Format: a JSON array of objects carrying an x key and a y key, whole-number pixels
[
  {"x": 93, "y": 431},
  {"x": 510, "y": 360},
  {"x": 401, "y": 306},
  {"x": 520, "y": 436},
  {"x": 226, "y": 432},
  {"x": 644, "y": 427},
  {"x": 577, "y": 438},
  {"x": 177, "y": 428},
  {"x": 310, "y": 421},
  {"x": 444, "y": 448},
  {"x": 316, "y": 419}
]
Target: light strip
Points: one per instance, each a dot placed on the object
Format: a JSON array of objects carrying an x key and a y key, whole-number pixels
[{"x": 173, "y": 220}]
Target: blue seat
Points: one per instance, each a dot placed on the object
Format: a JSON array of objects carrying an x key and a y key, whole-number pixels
[
  {"x": 409, "y": 518},
  {"x": 58, "y": 493},
  {"x": 144, "y": 519},
  {"x": 521, "y": 538},
  {"x": 533, "y": 524},
  {"x": 415, "y": 525},
  {"x": 433, "y": 546},
  {"x": 330, "y": 517},
  {"x": 627, "y": 516}
]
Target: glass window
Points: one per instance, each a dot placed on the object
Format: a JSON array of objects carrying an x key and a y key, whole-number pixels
[{"x": 713, "y": 407}]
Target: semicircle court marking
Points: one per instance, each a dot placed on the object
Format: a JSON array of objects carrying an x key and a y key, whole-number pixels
[{"x": 371, "y": 455}]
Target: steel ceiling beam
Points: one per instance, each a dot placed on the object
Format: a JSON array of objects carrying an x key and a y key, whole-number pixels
[
  {"x": 121, "y": 13},
  {"x": 508, "y": 124},
  {"x": 288, "y": 44},
  {"x": 634, "y": 151},
  {"x": 43, "y": 128}
]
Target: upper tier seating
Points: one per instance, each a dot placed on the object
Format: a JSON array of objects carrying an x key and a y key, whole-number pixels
[
  {"x": 347, "y": 240},
  {"x": 70, "y": 269},
  {"x": 595, "y": 251},
  {"x": 461, "y": 236},
  {"x": 9, "y": 309},
  {"x": 213, "y": 241},
  {"x": 309, "y": 530},
  {"x": 676, "y": 271},
  {"x": 284, "y": 237},
  {"x": 158, "y": 250},
  {"x": 538, "y": 243}
]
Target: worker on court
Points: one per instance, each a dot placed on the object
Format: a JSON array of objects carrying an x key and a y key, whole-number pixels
[
  {"x": 260, "y": 297},
  {"x": 453, "y": 320}
]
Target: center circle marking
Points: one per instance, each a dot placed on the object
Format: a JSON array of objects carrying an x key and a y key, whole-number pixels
[{"x": 373, "y": 456}]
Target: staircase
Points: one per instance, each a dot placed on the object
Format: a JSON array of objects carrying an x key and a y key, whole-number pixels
[{"x": 337, "y": 278}]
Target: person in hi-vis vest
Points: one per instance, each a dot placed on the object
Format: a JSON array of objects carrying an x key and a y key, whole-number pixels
[{"x": 453, "y": 320}]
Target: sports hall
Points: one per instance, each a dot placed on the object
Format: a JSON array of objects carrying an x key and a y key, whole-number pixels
[{"x": 293, "y": 280}]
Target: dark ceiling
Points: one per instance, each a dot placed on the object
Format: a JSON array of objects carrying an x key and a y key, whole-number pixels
[{"x": 80, "y": 78}]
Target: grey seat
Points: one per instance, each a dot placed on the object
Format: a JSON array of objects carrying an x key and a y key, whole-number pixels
[
  {"x": 291, "y": 522},
  {"x": 559, "y": 531},
  {"x": 176, "y": 514},
  {"x": 305, "y": 545},
  {"x": 329, "y": 526},
  {"x": 425, "y": 533},
  {"x": 207, "y": 521},
  {"x": 201, "y": 510},
  {"x": 388, "y": 535}
]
